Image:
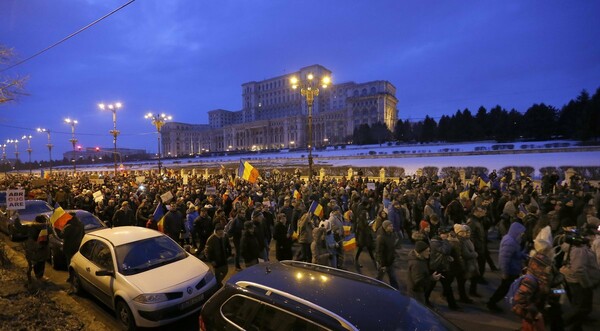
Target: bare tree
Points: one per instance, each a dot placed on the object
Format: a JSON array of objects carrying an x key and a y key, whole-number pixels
[{"x": 10, "y": 87}]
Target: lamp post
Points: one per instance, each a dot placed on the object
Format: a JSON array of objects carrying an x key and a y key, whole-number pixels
[
  {"x": 309, "y": 89},
  {"x": 28, "y": 137},
  {"x": 73, "y": 141},
  {"x": 16, "y": 142},
  {"x": 3, "y": 153},
  {"x": 158, "y": 120},
  {"x": 114, "y": 131},
  {"x": 49, "y": 145}
]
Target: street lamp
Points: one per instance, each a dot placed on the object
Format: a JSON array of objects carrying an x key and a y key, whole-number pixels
[
  {"x": 73, "y": 141},
  {"x": 28, "y": 137},
  {"x": 3, "y": 153},
  {"x": 158, "y": 120},
  {"x": 16, "y": 142},
  {"x": 309, "y": 89},
  {"x": 49, "y": 145},
  {"x": 114, "y": 131}
]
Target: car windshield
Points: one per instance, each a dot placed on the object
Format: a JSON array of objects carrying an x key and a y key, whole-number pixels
[
  {"x": 143, "y": 255},
  {"x": 90, "y": 222}
]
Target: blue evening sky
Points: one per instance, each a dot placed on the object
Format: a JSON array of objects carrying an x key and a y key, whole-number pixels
[{"x": 187, "y": 57}]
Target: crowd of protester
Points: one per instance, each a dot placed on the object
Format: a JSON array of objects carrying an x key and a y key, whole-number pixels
[{"x": 549, "y": 232}]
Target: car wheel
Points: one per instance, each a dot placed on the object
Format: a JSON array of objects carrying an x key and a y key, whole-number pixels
[
  {"x": 76, "y": 283},
  {"x": 125, "y": 316}
]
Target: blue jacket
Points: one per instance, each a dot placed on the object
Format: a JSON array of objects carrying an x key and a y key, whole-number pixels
[
  {"x": 396, "y": 216},
  {"x": 511, "y": 256}
]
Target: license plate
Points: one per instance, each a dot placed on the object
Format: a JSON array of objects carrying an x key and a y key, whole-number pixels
[{"x": 192, "y": 301}]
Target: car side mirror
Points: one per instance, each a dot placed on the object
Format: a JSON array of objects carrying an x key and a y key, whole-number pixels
[{"x": 104, "y": 272}]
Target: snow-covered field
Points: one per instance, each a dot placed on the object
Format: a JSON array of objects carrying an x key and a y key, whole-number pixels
[{"x": 410, "y": 157}]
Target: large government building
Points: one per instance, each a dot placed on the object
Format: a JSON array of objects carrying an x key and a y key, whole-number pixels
[{"x": 275, "y": 116}]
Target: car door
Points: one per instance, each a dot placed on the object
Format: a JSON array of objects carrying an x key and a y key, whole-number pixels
[{"x": 101, "y": 286}]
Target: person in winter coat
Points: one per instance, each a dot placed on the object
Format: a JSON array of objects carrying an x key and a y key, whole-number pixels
[
  {"x": 305, "y": 238},
  {"x": 249, "y": 245},
  {"x": 386, "y": 253},
  {"x": 469, "y": 256},
  {"x": 37, "y": 250},
  {"x": 203, "y": 228},
  {"x": 439, "y": 261},
  {"x": 337, "y": 228},
  {"x": 217, "y": 251},
  {"x": 318, "y": 247},
  {"x": 479, "y": 239},
  {"x": 173, "y": 222},
  {"x": 510, "y": 259},
  {"x": 283, "y": 238},
  {"x": 142, "y": 213},
  {"x": 419, "y": 276},
  {"x": 396, "y": 216},
  {"x": 423, "y": 233},
  {"x": 533, "y": 292},
  {"x": 190, "y": 215},
  {"x": 582, "y": 275},
  {"x": 363, "y": 233},
  {"x": 124, "y": 216},
  {"x": 457, "y": 265},
  {"x": 72, "y": 233}
]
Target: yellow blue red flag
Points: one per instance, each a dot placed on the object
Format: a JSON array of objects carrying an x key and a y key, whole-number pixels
[
  {"x": 248, "y": 172},
  {"x": 316, "y": 209}
]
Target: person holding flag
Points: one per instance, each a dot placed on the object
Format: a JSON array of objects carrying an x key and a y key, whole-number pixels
[
  {"x": 72, "y": 235},
  {"x": 37, "y": 250}
]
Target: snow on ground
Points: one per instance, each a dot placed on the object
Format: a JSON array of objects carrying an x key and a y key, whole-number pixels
[{"x": 410, "y": 157}]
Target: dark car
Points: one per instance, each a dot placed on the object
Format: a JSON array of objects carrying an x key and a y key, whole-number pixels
[
  {"x": 27, "y": 216},
  {"x": 292, "y": 295},
  {"x": 90, "y": 223}
]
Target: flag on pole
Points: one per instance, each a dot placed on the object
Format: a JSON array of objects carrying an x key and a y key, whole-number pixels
[
  {"x": 59, "y": 217},
  {"x": 248, "y": 172},
  {"x": 316, "y": 209}
]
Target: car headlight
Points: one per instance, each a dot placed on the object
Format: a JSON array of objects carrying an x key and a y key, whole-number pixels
[{"x": 151, "y": 298}]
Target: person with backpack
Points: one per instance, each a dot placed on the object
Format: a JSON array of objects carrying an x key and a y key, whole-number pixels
[
  {"x": 510, "y": 259},
  {"x": 439, "y": 261}
]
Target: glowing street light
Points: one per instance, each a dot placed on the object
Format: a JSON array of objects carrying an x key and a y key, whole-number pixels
[
  {"x": 49, "y": 145},
  {"x": 113, "y": 108},
  {"x": 309, "y": 89},
  {"x": 16, "y": 142},
  {"x": 28, "y": 137},
  {"x": 158, "y": 120},
  {"x": 73, "y": 140}
]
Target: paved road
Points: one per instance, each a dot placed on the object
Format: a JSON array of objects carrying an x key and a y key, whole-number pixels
[{"x": 473, "y": 317}]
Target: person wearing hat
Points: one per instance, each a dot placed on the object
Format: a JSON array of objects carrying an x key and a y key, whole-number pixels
[
  {"x": 423, "y": 233},
  {"x": 124, "y": 216},
  {"x": 337, "y": 229},
  {"x": 217, "y": 251},
  {"x": 37, "y": 250},
  {"x": 249, "y": 245},
  {"x": 470, "y": 268},
  {"x": 419, "y": 276},
  {"x": 385, "y": 253}
]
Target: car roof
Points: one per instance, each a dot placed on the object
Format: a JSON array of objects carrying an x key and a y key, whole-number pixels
[
  {"x": 349, "y": 295},
  {"x": 125, "y": 234}
]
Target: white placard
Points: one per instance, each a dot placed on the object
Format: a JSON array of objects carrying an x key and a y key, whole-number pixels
[
  {"x": 15, "y": 199},
  {"x": 166, "y": 197},
  {"x": 371, "y": 186}
]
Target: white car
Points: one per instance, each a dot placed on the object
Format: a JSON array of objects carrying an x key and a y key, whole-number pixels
[{"x": 142, "y": 274}]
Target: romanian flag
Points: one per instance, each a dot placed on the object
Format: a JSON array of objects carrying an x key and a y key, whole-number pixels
[
  {"x": 483, "y": 180},
  {"x": 316, "y": 209},
  {"x": 43, "y": 236},
  {"x": 349, "y": 242},
  {"x": 248, "y": 172},
  {"x": 159, "y": 217},
  {"x": 59, "y": 218},
  {"x": 297, "y": 195}
]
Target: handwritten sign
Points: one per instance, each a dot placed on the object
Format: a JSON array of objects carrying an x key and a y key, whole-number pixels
[{"x": 15, "y": 199}]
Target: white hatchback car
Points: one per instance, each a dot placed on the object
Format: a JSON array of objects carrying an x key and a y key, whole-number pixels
[{"x": 142, "y": 274}]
